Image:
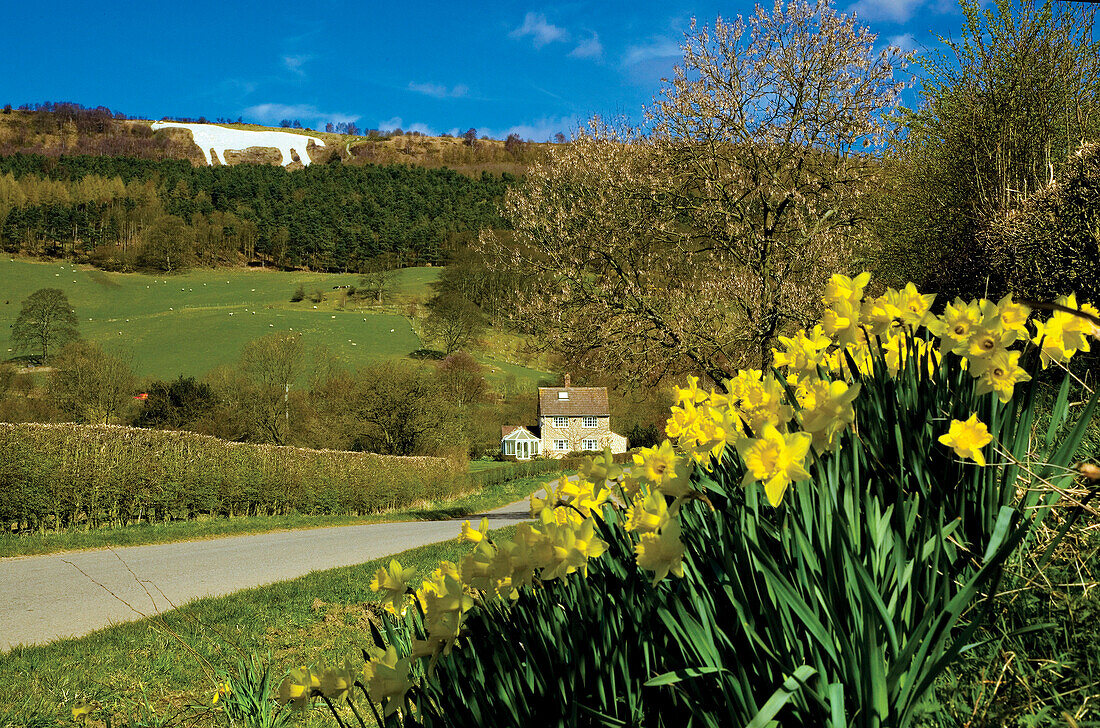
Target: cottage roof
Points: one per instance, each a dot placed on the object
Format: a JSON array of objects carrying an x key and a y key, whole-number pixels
[{"x": 577, "y": 402}]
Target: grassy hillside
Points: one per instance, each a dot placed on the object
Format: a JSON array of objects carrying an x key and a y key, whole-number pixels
[
  {"x": 191, "y": 322},
  {"x": 85, "y": 132}
]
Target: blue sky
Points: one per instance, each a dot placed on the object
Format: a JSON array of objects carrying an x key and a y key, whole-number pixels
[{"x": 533, "y": 69}]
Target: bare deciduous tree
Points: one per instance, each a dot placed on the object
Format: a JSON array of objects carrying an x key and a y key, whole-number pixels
[
  {"x": 690, "y": 243},
  {"x": 91, "y": 385},
  {"x": 270, "y": 366}
]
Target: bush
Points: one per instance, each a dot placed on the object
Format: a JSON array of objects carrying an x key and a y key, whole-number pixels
[
  {"x": 833, "y": 527},
  {"x": 316, "y": 296},
  {"x": 60, "y": 475},
  {"x": 299, "y": 294}
]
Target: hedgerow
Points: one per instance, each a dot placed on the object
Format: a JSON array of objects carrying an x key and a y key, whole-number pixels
[{"x": 58, "y": 475}]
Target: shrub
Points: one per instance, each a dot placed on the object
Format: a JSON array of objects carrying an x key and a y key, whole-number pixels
[
  {"x": 299, "y": 294},
  {"x": 816, "y": 552}
]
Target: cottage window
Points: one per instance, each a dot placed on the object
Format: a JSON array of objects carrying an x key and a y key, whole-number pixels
[
  {"x": 589, "y": 444},
  {"x": 560, "y": 422},
  {"x": 589, "y": 422},
  {"x": 560, "y": 445},
  {"x": 509, "y": 447}
]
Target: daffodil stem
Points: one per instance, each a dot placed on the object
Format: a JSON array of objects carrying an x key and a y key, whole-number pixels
[
  {"x": 370, "y": 702},
  {"x": 332, "y": 708},
  {"x": 356, "y": 712}
]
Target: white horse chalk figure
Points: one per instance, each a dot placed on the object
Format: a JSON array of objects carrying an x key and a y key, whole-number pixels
[{"x": 218, "y": 139}]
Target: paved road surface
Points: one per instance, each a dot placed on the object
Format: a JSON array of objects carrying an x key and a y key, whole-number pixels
[{"x": 43, "y": 598}]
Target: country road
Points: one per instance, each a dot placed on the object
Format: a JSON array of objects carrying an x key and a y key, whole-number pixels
[{"x": 71, "y": 594}]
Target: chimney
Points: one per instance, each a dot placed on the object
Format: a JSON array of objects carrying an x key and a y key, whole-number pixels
[{"x": 567, "y": 380}]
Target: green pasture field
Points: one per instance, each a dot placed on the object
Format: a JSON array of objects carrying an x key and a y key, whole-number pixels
[
  {"x": 162, "y": 671},
  {"x": 191, "y": 322}
]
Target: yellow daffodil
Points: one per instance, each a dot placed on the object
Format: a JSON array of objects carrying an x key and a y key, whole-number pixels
[
  {"x": 828, "y": 410},
  {"x": 337, "y": 681},
  {"x": 956, "y": 325},
  {"x": 690, "y": 395},
  {"x": 653, "y": 463},
  {"x": 802, "y": 352},
  {"x": 682, "y": 421},
  {"x": 662, "y": 552},
  {"x": 968, "y": 438},
  {"x": 842, "y": 289},
  {"x": 474, "y": 536},
  {"x": 661, "y": 466},
  {"x": 1064, "y": 334},
  {"x": 647, "y": 514},
  {"x": 841, "y": 322},
  {"x": 764, "y": 403},
  {"x": 393, "y": 582},
  {"x": 880, "y": 314},
  {"x": 572, "y": 547},
  {"x": 914, "y": 305},
  {"x": 600, "y": 468},
  {"x": 776, "y": 459},
  {"x": 297, "y": 687},
  {"x": 1013, "y": 316},
  {"x": 475, "y": 567},
  {"x": 390, "y": 680},
  {"x": 82, "y": 709},
  {"x": 999, "y": 372},
  {"x": 223, "y": 691}
]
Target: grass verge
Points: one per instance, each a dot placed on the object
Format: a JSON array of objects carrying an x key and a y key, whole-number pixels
[
  {"x": 164, "y": 670},
  {"x": 492, "y": 495}
]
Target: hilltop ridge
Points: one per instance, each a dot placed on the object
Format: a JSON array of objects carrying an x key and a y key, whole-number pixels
[{"x": 54, "y": 130}]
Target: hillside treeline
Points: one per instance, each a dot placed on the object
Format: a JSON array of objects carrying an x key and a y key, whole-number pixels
[{"x": 126, "y": 213}]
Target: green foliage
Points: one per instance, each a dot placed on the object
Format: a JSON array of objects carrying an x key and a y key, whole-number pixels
[
  {"x": 168, "y": 214},
  {"x": 843, "y": 607},
  {"x": 245, "y": 698},
  {"x": 56, "y": 476},
  {"x": 179, "y": 405}
]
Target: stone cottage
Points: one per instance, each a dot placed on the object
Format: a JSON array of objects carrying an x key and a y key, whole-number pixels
[{"x": 570, "y": 419}]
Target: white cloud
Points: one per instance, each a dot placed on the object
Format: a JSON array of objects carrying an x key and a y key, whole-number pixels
[
  {"x": 439, "y": 91},
  {"x": 895, "y": 11},
  {"x": 590, "y": 48},
  {"x": 538, "y": 131},
  {"x": 294, "y": 63},
  {"x": 658, "y": 49},
  {"x": 422, "y": 128},
  {"x": 274, "y": 113},
  {"x": 396, "y": 122},
  {"x": 543, "y": 33},
  {"x": 906, "y": 42}
]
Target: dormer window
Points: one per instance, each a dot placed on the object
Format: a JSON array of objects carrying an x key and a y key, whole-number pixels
[{"x": 563, "y": 395}]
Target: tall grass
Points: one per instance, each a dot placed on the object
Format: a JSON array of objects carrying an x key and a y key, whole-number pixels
[{"x": 58, "y": 476}]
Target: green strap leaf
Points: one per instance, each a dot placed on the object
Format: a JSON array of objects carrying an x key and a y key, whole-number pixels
[
  {"x": 676, "y": 676},
  {"x": 781, "y": 697}
]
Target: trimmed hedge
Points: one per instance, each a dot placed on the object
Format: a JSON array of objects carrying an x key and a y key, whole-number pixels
[{"x": 54, "y": 476}]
